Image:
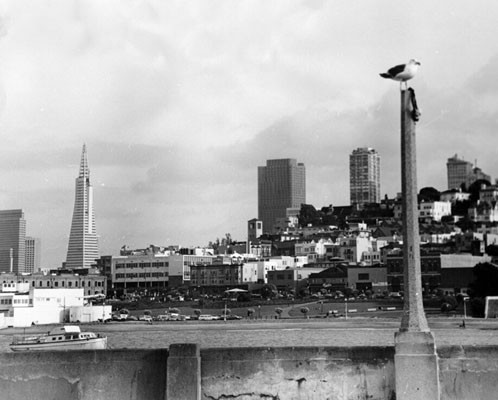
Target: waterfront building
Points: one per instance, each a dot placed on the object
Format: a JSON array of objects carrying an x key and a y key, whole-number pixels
[
  {"x": 430, "y": 269},
  {"x": 12, "y": 241},
  {"x": 83, "y": 248},
  {"x": 457, "y": 271},
  {"x": 372, "y": 277},
  {"x": 257, "y": 271},
  {"x": 364, "y": 176},
  {"x": 23, "y": 304},
  {"x": 139, "y": 271},
  {"x": 32, "y": 254},
  {"x": 291, "y": 279},
  {"x": 216, "y": 277},
  {"x": 281, "y": 190},
  {"x": 332, "y": 279},
  {"x": 153, "y": 271},
  {"x": 91, "y": 283}
]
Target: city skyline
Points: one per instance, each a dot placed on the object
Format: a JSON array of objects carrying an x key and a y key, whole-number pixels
[{"x": 178, "y": 103}]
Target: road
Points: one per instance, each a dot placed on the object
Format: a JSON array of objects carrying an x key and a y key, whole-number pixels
[{"x": 354, "y": 331}]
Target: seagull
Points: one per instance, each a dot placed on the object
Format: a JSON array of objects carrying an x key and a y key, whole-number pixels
[{"x": 402, "y": 72}]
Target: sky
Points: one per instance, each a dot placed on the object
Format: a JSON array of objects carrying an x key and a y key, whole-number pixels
[{"x": 179, "y": 102}]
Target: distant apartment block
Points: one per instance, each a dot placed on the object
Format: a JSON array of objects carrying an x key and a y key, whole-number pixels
[
  {"x": 428, "y": 211},
  {"x": 364, "y": 176},
  {"x": 12, "y": 241},
  {"x": 463, "y": 172},
  {"x": 32, "y": 254},
  {"x": 281, "y": 190}
]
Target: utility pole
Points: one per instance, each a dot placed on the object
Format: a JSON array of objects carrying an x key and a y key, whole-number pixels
[
  {"x": 416, "y": 364},
  {"x": 413, "y": 312}
]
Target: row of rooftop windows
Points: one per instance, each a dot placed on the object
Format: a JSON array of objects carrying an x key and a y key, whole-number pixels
[
  {"x": 143, "y": 265},
  {"x": 55, "y": 283},
  {"x": 142, "y": 275}
]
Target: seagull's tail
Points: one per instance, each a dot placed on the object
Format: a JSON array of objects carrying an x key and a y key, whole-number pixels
[{"x": 387, "y": 76}]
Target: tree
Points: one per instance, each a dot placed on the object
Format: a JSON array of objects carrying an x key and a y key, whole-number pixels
[
  {"x": 279, "y": 311},
  {"x": 475, "y": 188},
  {"x": 268, "y": 291},
  {"x": 485, "y": 280},
  {"x": 250, "y": 312},
  {"x": 305, "y": 311},
  {"x": 197, "y": 312},
  {"x": 429, "y": 194},
  {"x": 308, "y": 215}
]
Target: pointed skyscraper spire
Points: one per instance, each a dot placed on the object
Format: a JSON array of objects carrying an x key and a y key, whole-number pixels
[
  {"x": 84, "y": 171},
  {"x": 83, "y": 248}
]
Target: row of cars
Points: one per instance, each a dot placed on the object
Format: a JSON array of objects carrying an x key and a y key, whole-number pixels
[{"x": 175, "y": 317}]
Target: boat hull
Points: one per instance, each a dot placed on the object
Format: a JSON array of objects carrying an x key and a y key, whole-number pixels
[{"x": 84, "y": 344}]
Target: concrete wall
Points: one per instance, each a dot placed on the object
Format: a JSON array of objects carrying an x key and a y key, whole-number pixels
[
  {"x": 298, "y": 373},
  {"x": 83, "y": 375},
  {"x": 466, "y": 372}
]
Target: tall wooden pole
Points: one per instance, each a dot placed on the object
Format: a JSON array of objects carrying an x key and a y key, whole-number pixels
[
  {"x": 413, "y": 313},
  {"x": 415, "y": 360}
]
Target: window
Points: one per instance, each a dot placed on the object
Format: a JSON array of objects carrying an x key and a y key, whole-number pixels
[{"x": 363, "y": 277}]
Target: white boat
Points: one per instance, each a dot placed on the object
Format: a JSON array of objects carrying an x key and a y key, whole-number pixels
[{"x": 67, "y": 337}]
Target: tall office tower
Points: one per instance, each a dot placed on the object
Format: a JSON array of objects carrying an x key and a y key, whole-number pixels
[
  {"x": 281, "y": 187},
  {"x": 12, "y": 241},
  {"x": 364, "y": 176},
  {"x": 32, "y": 254},
  {"x": 462, "y": 172},
  {"x": 459, "y": 172},
  {"x": 83, "y": 248}
]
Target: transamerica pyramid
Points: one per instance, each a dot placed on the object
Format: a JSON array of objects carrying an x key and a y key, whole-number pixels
[{"x": 83, "y": 246}]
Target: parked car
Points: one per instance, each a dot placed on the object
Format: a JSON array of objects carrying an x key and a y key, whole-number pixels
[
  {"x": 207, "y": 317},
  {"x": 146, "y": 318},
  {"x": 174, "y": 317},
  {"x": 231, "y": 317}
]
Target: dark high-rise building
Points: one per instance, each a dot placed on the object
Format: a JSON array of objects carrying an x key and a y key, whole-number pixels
[
  {"x": 32, "y": 253},
  {"x": 83, "y": 248},
  {"x": 12, "y": 241},
  {"x": 281, "y": 190},
  {"x": 364, "y": 176}
]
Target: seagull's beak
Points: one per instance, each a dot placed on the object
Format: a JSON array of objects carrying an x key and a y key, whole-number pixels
[{"x": 417, "y": 62}]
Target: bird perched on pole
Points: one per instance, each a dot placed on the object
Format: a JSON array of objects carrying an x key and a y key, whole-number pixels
[{"x": 402, "y": 72}]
